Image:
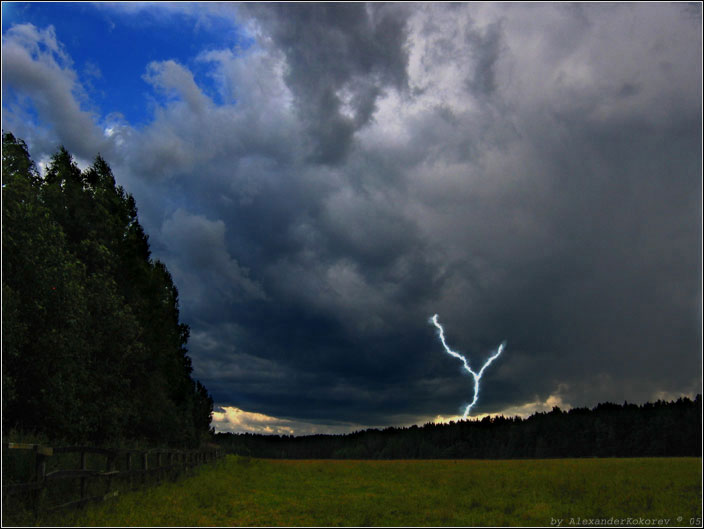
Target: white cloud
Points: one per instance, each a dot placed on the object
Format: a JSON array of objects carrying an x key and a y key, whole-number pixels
[
  {"x": 34, "y": 65},
  {"x": 174, "y": 79},
  {"x": 235, "y": 420}
]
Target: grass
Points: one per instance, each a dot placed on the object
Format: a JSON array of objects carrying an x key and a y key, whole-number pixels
[{"x": 249, "y": 492}]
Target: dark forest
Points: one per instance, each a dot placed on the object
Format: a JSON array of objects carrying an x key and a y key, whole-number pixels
[
  {"x": 93, "y": 349},
  {"x": 607, "y": 430}
]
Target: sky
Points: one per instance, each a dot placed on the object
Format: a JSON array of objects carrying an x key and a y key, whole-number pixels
[{"x": 320, "y": 179}]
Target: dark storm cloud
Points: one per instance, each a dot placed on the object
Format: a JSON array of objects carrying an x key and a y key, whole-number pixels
[
  {"x": 338, "y": 55},
  {"x": 531, "y": 173},
  {"x": 487, "y": 45}
]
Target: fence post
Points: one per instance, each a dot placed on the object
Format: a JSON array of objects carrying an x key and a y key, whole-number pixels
[
  {"x": 108, "y": 468},
  {"x": 39, "y": 476},
  {"x": 84, "y": 466},
  {"x": 145, "y": 466},
  {"x": 172, "y": 474},
  {"x": 129, "y": 468}
]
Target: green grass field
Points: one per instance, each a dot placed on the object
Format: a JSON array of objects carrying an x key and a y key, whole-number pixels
[{"x": 243, "y": 492}]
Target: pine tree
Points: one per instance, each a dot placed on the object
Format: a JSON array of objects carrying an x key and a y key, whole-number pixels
[{"x": 94, "y": 349}]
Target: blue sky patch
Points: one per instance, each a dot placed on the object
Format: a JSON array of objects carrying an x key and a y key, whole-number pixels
[{"x": 111, "y": 49}]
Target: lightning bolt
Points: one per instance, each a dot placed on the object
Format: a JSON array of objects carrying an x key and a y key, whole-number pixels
[{"x": 476, "y": 376}]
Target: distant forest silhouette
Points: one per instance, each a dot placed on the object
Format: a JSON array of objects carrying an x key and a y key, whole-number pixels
[{"x": 607, "y": 430}]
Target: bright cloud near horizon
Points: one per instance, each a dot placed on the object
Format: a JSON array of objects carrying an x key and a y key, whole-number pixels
[{"x": 320, "y": 178}]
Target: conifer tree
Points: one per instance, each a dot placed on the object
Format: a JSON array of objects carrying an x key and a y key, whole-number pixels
[{"x": 94, "y": 347}]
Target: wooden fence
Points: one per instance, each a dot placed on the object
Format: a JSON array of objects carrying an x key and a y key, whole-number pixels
[{"x": 133, "y": 468}]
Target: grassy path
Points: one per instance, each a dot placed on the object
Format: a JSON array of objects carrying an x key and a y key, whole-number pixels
[{"x": 243, "y": 492}]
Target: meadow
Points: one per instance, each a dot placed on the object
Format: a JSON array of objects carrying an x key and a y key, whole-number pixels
[{"x": 240, "y": 491}]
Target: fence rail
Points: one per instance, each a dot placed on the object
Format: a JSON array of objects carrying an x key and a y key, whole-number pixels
[{"x": 135, "y": 466}]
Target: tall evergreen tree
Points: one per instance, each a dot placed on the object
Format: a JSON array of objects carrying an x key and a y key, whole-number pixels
[
  {"x": 44, "y": 308},
  {"x": 94, "y": 349}
]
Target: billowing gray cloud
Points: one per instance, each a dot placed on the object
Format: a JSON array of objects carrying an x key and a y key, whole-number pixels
[
  {"x": 203, "y": 266},
  {"x": 530, "y": 172},
  {"x": 340, "y": 58},
  {"x": 34, "y": 65}
]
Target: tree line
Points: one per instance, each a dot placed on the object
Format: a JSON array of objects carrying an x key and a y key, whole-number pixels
[
  {"x": 607, "y": 430},
  {"x": 93, "y": 349}
]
